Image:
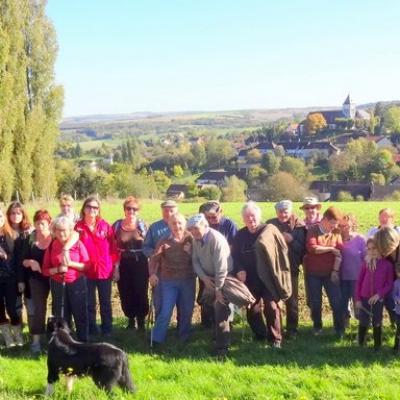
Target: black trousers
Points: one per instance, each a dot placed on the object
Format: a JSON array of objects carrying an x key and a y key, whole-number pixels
[
  {"x": 8, "y": 301},
  {"x": 133, "y": 286}
]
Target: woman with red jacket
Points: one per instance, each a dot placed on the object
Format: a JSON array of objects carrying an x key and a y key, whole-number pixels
[
  {"x": 66, "y": 271},
  {"x": 98, "y": 237}
]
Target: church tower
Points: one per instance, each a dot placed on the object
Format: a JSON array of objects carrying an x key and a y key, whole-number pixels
[{"x": 349, "y": 108}]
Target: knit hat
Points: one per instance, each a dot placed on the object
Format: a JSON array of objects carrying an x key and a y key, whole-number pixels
[
  {"x": 196, "y": 220},
  {"x": 284, "y": 205}
]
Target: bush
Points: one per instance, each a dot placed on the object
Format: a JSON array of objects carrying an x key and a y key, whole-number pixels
[
  {"x": 395, "y": 196},
  {"x": 359, "y": 197},
  {"x": 344, "y": 196},
  {"x": 210, "y": 192}
]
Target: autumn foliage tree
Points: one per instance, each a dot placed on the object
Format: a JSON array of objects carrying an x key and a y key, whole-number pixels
[{"x": 315, "y": 122}]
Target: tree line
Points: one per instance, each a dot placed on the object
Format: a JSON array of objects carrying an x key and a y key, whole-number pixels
[{"x": 30, "y": 101}]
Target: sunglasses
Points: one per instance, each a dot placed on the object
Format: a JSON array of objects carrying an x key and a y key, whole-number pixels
[
  {"x": 88, "y": 206},
  {"x": 131, "y": 209}
]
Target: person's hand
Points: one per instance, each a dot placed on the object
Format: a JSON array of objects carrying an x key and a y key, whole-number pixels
[
  {"x": 241, "y": 275},
  {"x": 65, "y": 257},
  {"x": 208, "y": 282},
  {"x": 27, "y": 263},
  {"x": 116, "y": 275},
  {"x": 335, "y": 277},
  {"x": 188, "y": 248},
  {"x": 62, "y": 269},
  {"x": 374, "y": 299},
  {"x": 3, "y": 254},
  {"x": 219, "y": 298},
  {"x": 53, "y": 271},
  {"x": 336, "y": 252},
  {"x": 35, "y": 266},
  {"x": 21, "y": 287},
  {"x": 153, "y": 280},
  {"x": 288, "y": 237}
]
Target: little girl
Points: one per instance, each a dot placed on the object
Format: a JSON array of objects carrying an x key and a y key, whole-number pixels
[{"x": 374, "y": 284}]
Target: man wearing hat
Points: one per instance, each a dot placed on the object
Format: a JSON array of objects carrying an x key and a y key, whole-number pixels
[
  {"x": 212, "y": 210},
  {"x": 159, "y": 230},
  {"x": 213, "y": 213},
  {"x": 212, "y": 261},
  {"x": 311, "y": 207},
  {"x": 294, "y": 233}
]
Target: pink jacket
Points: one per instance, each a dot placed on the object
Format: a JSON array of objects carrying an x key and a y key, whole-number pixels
[{"x": 101, "y": 246}]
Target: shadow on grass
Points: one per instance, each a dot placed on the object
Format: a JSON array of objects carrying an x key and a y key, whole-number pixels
[{"x": 304, "y": 351}]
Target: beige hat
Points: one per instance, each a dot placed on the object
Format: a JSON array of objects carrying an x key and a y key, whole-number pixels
[
  {"x": 310, "y": 201},
  {"x": 169, "y": 203}
]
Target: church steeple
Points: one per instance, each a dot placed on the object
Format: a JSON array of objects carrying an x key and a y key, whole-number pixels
[{"x": 349, "y": 107}]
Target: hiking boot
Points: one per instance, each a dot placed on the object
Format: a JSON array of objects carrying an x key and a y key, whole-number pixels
[
  {"x": 317, "y": 331},
  {"x": 377, "y": 330},
  {"x": 8, "y": 338},
  {"x": 36, "y": 348},
  {"x": 362, "y": 332}
]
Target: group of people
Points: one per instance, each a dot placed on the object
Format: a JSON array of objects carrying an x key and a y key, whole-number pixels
[{"x": 75, "y": 258}]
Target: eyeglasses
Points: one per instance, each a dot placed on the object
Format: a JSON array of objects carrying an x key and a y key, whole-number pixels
[
  {"x": 131, "y": 209},
  {"x": 91, "y": 207}
]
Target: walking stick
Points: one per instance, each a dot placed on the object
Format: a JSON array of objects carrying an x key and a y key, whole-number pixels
[
  {"x": 150, "y": 318},
  {"x": 63, "y": 296}
]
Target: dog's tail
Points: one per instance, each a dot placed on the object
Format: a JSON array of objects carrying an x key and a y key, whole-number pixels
[{"x": 126, "y": 381}]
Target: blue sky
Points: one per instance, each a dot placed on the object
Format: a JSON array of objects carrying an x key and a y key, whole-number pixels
[{"x": 159, "y": 55}]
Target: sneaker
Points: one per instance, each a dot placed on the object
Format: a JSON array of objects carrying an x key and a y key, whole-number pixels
[
  {"x": 317, "y": 331},
  {"x": 276, "y": 345}
]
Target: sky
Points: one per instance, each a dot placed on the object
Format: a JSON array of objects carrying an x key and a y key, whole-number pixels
[{"x": 126, "y": 56}]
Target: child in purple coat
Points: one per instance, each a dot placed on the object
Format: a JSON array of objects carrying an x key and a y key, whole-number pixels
[{"x": 374, "y": 284}]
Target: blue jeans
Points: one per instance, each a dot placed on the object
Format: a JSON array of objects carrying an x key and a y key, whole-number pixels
[
  {"x": 347, "y": 289},
  {"x": 180, "y": 292},
  {"x": 104, "y": 289},
  {"x": 314, "y": 288},
  {"x": 75, "y": 304}
]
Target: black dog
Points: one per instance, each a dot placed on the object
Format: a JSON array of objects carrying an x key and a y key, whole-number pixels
[{"x": 105, "y": 363}]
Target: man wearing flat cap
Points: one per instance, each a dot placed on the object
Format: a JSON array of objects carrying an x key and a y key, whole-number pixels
[
  {"x": 159, "y": 230},
  {"x": 211, "y": 257},
  {"x": 294, "y": 233}
]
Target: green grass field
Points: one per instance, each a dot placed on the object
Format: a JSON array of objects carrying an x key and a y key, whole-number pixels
[{"x": 305, "y": 368}]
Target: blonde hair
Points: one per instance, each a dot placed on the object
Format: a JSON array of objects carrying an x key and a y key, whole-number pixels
[
  {"x": 387, "y": 211},
  {"x": 386, "y": 240},
  {"x": 177, "y": 216},
  {"x": 66, "y": 198}
]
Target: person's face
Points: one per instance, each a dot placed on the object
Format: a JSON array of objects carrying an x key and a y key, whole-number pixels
[
  {"x": 213, "y": 218},
  {"x": 42, "y": 226},
  {"x": 283, "y": 215},
  {"x": 310, "y": 212},
  {"x": 198, "y": 231},
  {"x": 385, "y": 219},
  {"x": 372, "y": 251},
  {"x": 252, "y": 220},
  {"x": 62, "y": 234},
  {"x": 330, "y": 224},
  {"x": 177, "y": 226},
  {"x": 345, "y": 227},
  {"x": 167, "y": 212},
  {"x": 66, "y": 208},
  {"x": 92, "y": 209},
  {"x": 2, "y": 219},
  {"x": 16, "y": 216},
  {"x": 131, "y": 210}
]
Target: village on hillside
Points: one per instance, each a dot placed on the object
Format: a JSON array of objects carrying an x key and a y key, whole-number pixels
[{"x": 346, "y": 153}]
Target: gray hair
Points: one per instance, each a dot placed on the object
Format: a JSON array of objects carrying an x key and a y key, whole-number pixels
[
  {"x": 196, "y": 220},
  {"x": 251, "y": 206},
  {"x": 62, "y": 222}
]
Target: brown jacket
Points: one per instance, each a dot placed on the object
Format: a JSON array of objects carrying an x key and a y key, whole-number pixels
[{"x": 273, "y": 265}]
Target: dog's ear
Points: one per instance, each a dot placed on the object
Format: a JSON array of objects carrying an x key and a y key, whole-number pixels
[{"x": 51, "y": 324}]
